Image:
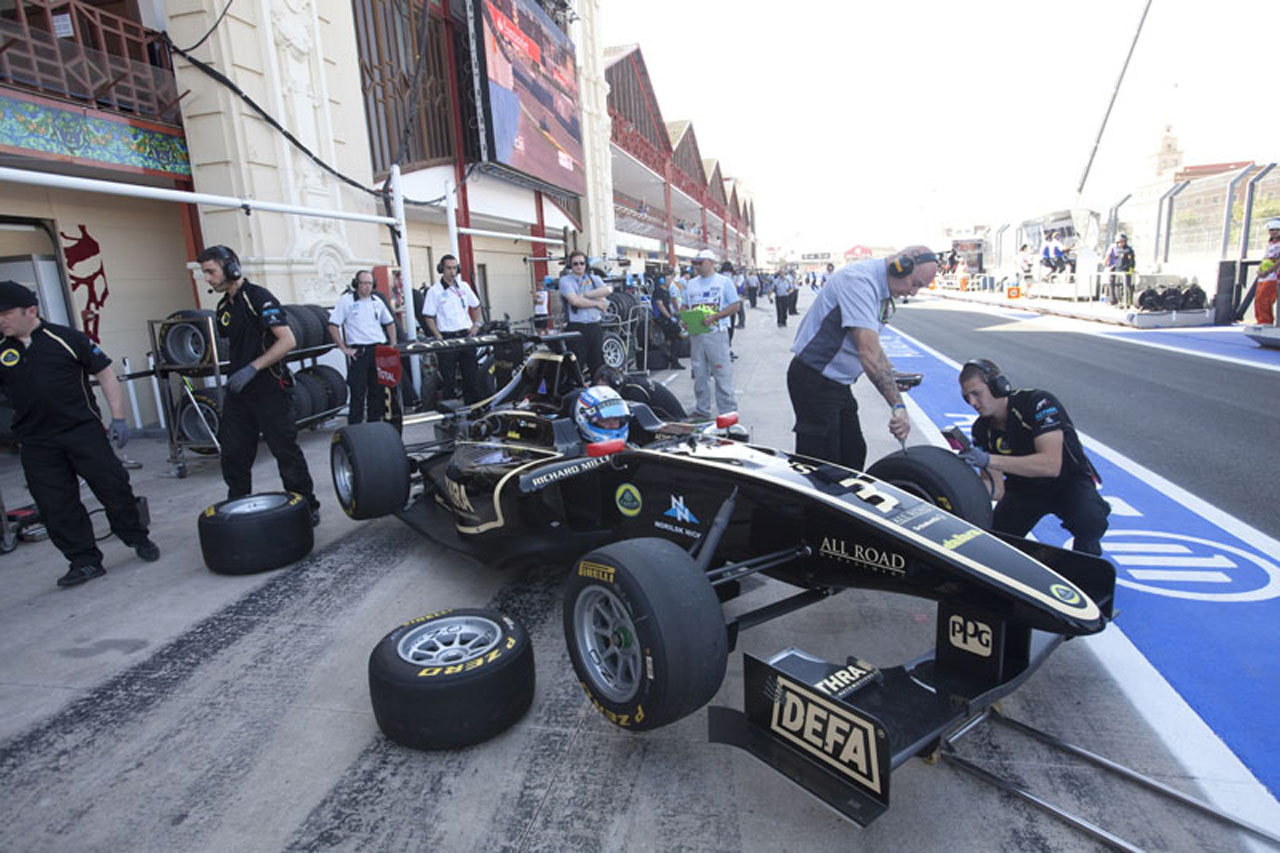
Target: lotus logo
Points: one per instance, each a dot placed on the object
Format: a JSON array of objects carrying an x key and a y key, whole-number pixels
[
  {"x": 1065, "y": 594},
  {"x": 628, "y": 500}
]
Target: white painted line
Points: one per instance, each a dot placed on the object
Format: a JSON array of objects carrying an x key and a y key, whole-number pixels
[
  {"x": 1146, "y": 548},
  {"x": 1210, "y": 762},
  {"x": 1214, "y": 561},
  {"x": 1179, "y": 575},
  {"x": 1213, "y": 356},
  {"x": 1120, "y": 506}
]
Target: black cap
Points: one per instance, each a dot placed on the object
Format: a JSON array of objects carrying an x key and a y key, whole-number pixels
[{"x": 14, "y": 295}]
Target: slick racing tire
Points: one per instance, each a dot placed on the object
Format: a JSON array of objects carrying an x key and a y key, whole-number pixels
[
  {"x": 184, "y": 341},
  {"x": 257, "y": 533},
  {"x": 335, "y": 384},
  {"x": 614, "y": 349},
  {"x": 198, "y": 431},
  {"x": 641, "y": 389},
  {"x": 645, "y": 632},
  {"x": 316, "y": 392},
  {"x": 370, "y": 469},
  {"x": 940, "y": 477},
  {"x": 451, "y": 679}
]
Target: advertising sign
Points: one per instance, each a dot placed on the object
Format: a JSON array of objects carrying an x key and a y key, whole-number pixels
[{"x": 530, "y": 82}]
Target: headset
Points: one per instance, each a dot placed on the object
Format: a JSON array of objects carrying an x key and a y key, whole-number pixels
[
  {"x": 996, "y": 381},
  {"x": 355, "y": 281},
  {"x": 228, "y": 260},
  {"x": 440, "y": 263},
  {"x": 901, "y": 266}
]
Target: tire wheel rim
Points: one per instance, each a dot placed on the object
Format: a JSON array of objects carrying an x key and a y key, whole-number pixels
[
  {"x": 343, "y": 475},
  {"x": 184, "y": 344},
  {"x": 615, "y": 355},
  {"x": 253, "y": 503},
  {"x": 449, "y": 641},
  {"x": 194, "y": 429},
  {"x": 607, "y": 644},
  {"x": 915, "y": 489}
]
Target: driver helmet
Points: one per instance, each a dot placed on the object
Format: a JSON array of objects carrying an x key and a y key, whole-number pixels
[
  {"x": 602, "y": 414},
  {"x": 1273, "y": 224}
]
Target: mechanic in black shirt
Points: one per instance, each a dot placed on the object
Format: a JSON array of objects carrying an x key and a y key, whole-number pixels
[
  {"x": 665, "y": 316},
  {"x": 259, "y": 390},
  {"x": 45, "y": 370},
  {"x": 1025, "y": 443}
]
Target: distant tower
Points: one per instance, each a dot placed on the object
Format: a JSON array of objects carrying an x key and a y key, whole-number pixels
[{"x": 1168, "y": 156}]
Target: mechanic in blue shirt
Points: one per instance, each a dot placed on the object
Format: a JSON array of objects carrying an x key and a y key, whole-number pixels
[
  {"x": 1027, "y": 447},
  {"x": 838, "y": 341},
  {"x": 586, "y": 298},
  {"x": 715, "y": 295}
]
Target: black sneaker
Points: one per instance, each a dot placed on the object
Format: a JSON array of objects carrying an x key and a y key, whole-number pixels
[
  {"x": 148, "y": 550},
  {"x": 80, "y": 574},
  {"x": 315, "y": 516}
]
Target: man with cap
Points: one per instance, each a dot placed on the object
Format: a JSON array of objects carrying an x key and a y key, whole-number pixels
[
  {"x": 45, "y": 370},
  {"x": 716, "y": 298},
  {"x": 586, "y": 299},
  {"x": 838, "y": 341},
  {"x": 258, "y": 397},
  {"x": 1264, "y": 303},
  {"x": 1120, "y": 259}
]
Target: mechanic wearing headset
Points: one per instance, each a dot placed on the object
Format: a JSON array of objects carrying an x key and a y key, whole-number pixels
[
  {"x": 449, "y": 311},
  {"x": 587, "y": 299},
  {"x": 1025, "y": 443},
  {"x": 839, "y": 340},
  {"x": 259, "y": 389},
  {"x": 45, "y": 370},
  {"x": 358, "y": 324}
]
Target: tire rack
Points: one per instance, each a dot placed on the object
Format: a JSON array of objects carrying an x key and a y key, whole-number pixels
[
  {"x": 173, "y": 402},
  {"x": 637, "y": 317}
]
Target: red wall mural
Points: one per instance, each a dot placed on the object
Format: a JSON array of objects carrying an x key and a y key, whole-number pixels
[{"x": 80, "y": 251}]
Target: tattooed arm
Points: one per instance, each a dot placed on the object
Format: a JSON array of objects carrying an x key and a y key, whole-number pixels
[{"x": 879, "y": 370}]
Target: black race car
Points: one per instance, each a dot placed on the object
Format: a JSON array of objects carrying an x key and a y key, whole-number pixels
[{"x": 660, "y": 530}]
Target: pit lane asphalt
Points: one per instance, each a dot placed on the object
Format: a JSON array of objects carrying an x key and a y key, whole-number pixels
[
  {"x": 1201, "y": 423},
  {"x": 166, "y": 708}
]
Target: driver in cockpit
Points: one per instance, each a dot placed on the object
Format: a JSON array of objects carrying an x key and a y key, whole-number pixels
[{"x": 601, "y": 414}]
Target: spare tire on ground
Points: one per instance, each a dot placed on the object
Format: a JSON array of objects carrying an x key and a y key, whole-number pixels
[
  {"x": 1149, "y": 300},
  {"x": 256, "y": 533},
  {"x": 1194, "y": 298},
  {"x": 451, "y": 678},
  {"x": 940, "y": 477}
]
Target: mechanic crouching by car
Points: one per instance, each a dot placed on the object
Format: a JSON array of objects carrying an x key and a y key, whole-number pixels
[
  {"x": 1029, "y": 453},
  {"x": 258, "y": 398},
  {"x": 45, "y": 370}
]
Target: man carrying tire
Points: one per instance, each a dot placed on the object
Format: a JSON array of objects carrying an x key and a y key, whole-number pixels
[
  {"x": 45, "y": 370},
  {"x": 358, "y": 324},
  {"x": 1027, "y": 447},
  {"x": 586, "y": 298},
  {"x": 259, "y": 398},
  {"x": 838, "y": 341}
]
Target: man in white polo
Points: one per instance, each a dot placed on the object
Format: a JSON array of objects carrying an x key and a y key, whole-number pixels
[
  {"x": 715, "y": 296},
  {"x": 451, "y": 310},
  {"x": 358, "y": 324}
]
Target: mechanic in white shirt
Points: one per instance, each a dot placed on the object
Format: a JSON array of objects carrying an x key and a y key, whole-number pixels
[
  {"x": 450, "y": 310},
  {"x": 358, "y": 324}
]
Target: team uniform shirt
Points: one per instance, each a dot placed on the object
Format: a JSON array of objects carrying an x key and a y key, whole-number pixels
[
  {"x": 361, "y": 320},
  {"x": 247, "y": 320},
  {"x": 48, "y": 381},
  {"x": 783, "y": 286},
  {"x": 715, "y": 292},
  {"x": 450, "y": 306},
  {"x": 581, "y": 285},
  {"x": 1033, "y": 413},
  {"x": 1119, "y": 259},
  {"x": 852, "y": 299}
]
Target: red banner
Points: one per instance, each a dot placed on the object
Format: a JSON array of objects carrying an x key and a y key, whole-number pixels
[{"x": 387, "y": 362}]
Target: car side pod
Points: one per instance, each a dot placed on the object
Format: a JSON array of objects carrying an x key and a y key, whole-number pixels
[{"x": 838, "y": 729}]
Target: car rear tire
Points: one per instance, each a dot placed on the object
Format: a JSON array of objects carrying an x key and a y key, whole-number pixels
[
  {"x": 645, "y": 631},
  {"x": 642, "y": 389},
  {"x": 940, "y": 477},
  {"x": 451, "y": 679},
  {"x": 370, "y": 469},
  {"x": 257, "y": 533}
]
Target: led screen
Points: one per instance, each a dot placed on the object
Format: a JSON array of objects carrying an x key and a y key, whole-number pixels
[{"x": 532, "y": 88}]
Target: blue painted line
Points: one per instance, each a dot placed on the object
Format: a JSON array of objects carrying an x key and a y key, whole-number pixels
[
  {"x": 1226, "y": 342},
  {"x": 1199, "y": 602}
]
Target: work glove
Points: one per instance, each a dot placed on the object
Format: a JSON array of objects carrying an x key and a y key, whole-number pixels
[
  {"x": 976, "y": 456},
  {"x": 241, "y": 378},
  {"x": 118, "y": 433}
]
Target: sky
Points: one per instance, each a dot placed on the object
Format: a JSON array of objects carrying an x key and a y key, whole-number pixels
[{"x": 881, "y": 122}]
